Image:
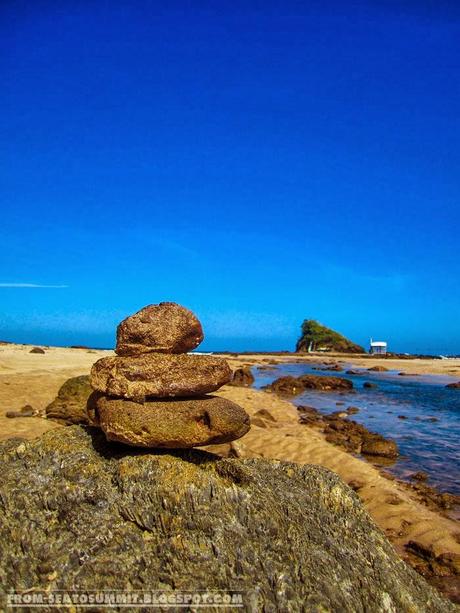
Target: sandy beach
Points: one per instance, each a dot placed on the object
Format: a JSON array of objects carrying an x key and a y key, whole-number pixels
[{"x": 34, "y": 379}]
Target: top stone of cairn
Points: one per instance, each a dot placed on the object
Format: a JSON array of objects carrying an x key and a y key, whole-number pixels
[{"x": 159, "y": 328}]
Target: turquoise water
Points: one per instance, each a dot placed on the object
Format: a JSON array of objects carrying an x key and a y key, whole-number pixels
[{"x": 431, "y": 446}]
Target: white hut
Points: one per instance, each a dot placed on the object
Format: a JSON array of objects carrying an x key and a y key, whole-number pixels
[{"x": 379, "y": 347}]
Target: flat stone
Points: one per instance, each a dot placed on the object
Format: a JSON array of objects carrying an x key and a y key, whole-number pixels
[
  {"x": 184, "y": 423},
  {"x": 159, "y": 328},
  {"x": 159, "y": 375}
]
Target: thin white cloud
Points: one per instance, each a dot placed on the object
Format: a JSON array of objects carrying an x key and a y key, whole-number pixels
[{"x": 33, "y": 285}]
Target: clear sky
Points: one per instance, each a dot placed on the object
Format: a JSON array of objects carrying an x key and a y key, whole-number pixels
[{"x": 258, "y": 162}]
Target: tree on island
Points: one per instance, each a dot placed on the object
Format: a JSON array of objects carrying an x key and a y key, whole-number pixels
[{"x": 316, "y": 337}]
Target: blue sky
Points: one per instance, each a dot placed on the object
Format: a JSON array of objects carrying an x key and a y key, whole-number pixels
[{"x": 259, "y": 163}]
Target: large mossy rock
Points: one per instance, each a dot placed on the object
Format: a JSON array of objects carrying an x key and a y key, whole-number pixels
[
  {"x": 69, "y": 406},
  {"x": 78, "y": 512}
]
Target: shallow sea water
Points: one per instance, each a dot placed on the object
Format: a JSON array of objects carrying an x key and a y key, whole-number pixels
[{"x": 430, "y": 446}]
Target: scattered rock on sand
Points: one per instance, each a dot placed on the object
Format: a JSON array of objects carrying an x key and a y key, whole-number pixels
[
  {"x": 37, "y": 350},
  {"x": 161, "y": 328},
  {"x": 69, "y": 406},
  {"x": 242, "y": 377},
  {"x": 26, "y": 411},
  {"x": 442, "y": 571},
  {"x": 265, "y": 414},
  {"x": 191, "y": 519}
]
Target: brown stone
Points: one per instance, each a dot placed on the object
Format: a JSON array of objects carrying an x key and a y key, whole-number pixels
[
  {"x": 376, "y": 446},
  {"x": 188, "y": 422},
  {"x": 159, "y": 328},
  {"x": 292, "y": 386},
  {"x": 242, "y": 377},
  {"x": 159, "y": 375}
]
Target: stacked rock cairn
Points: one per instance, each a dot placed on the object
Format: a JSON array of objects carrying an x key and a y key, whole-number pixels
[{"x": 155, "y": 394}]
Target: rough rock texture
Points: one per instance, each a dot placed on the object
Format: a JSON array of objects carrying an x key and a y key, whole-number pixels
[
  {"x": 295, "y": 385},
  {"x": 378, "y": 446},
  {"x": 78, "y": 511},
  {"x": 163, "y": 328},
  {"x": 159, "y": 375},
  {"x": 69, "y": 406},
  {"x": 349, "y": 434},
  {"x": 243, "y": 377},
  {"x": 174, "y": 423},
  {"x": 378, "y": 369}
]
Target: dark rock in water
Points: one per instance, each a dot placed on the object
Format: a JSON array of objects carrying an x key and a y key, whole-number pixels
[
  {"x": 242, "y": 377},
  {"x": 333, "y": 368},
  {"x": 37, "y": 350},
  {"x": 82, "y": 513},
  {"x": 378, "y": 446},
  {"x": 369, "y": 385},
  {"x": 161, "y": 328},
  {"x": 295, "y": 385},
  {"x": 178, "y": 423},
  {"x": 352, "y": 410},
  {"x": 419, "y": 476},
  {"x": 354, "y": 372},
  {"x": 402, "y": 416},
  {"x": 378, "y": 369},
  {"x": 69, "y": 406},
  {"x": 454, "y": 386}
]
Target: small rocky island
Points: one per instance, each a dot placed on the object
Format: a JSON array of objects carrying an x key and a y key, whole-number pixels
[
  {"x": 316, "y": 337},
  {"x": 154, "y": 393}
]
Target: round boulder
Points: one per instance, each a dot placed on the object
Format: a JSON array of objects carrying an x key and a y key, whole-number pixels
[
  {"x": 183, "y": 423},
  {"x": 162, "y": 328}
]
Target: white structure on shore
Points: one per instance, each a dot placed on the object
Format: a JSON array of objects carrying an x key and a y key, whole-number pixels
[{"x": 378, "y": 347}]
